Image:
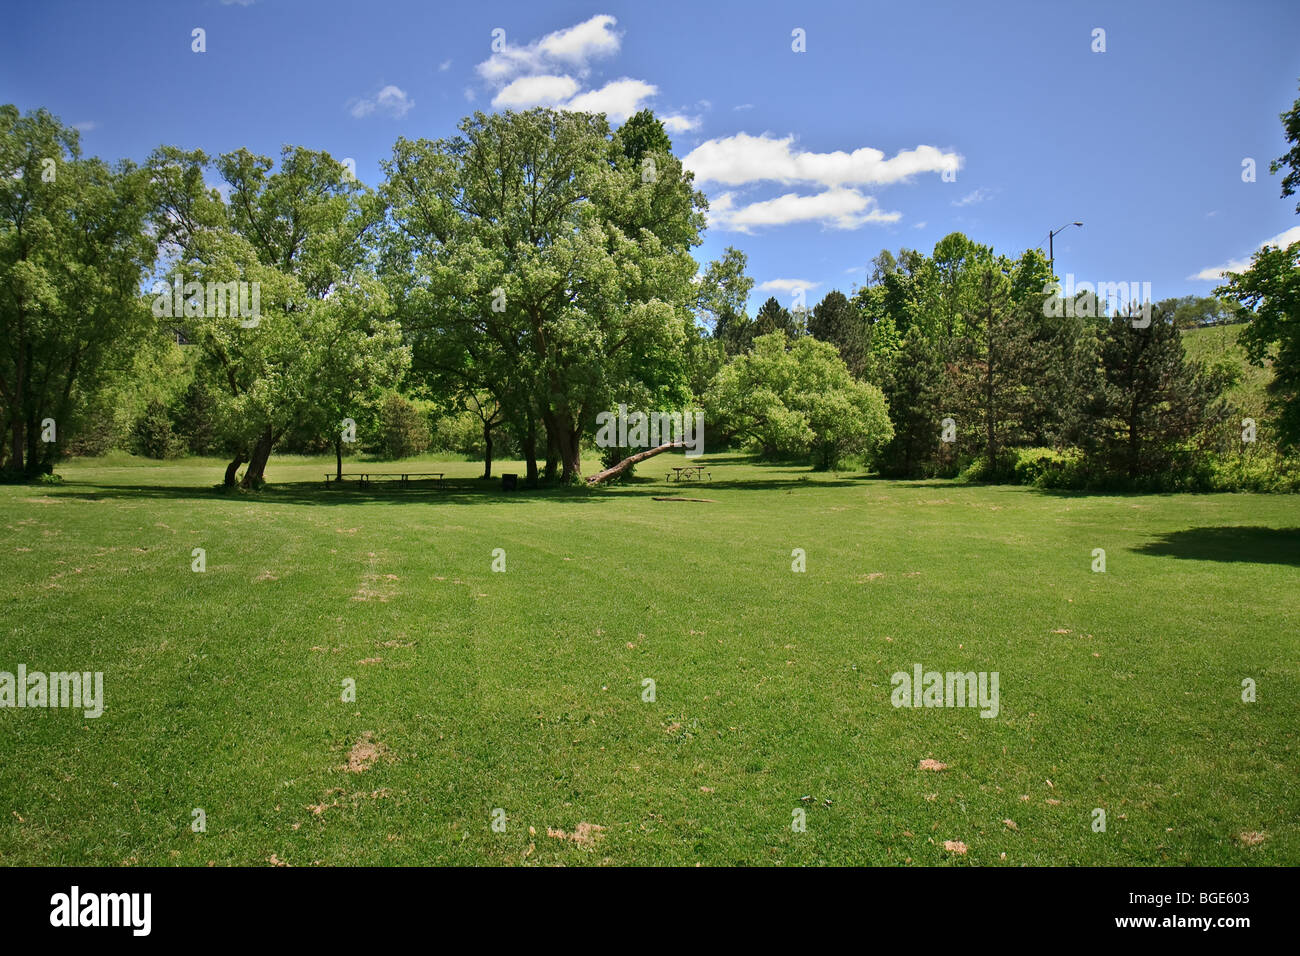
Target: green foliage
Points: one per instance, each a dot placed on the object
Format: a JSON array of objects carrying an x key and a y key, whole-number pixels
[
  {"x": 798, "y": 400},
  {"x": 461, "y": 432},
  {"x": 774, "y": 317},
  {"x": 1152, "y": 410},
  {"x": 402, "y": 429},
  {"x": 533, "y": 258},
  {"x": 73, "y": 251},
  {"x": 152, "y": 435},
  {"x": 1049, "y": 468},
  {"x": 323, "y": 345},
  {"x": 1290, "y": 161}
]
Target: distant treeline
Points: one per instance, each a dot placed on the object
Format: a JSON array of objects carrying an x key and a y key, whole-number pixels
[{"x": 502, "y": 287}]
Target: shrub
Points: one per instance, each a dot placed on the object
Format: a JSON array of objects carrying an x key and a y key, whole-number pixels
[
  {"x": 1049, "y": 468},
  {"x": 403, "y": 430},
  {"x": 152, "y": 435}
]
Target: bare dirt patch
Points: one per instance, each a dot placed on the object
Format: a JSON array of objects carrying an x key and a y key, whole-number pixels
[
  {"x": 375, "y": 586},
  {"x": 584, "y": 834},
  {"x": 364, "y": 753}
]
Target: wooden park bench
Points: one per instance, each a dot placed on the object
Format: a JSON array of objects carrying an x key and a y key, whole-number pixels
[
  {"x": 436, "y": 476},
  {"x": 689, "y": 473},
  {"x": 402, "y": 478}
]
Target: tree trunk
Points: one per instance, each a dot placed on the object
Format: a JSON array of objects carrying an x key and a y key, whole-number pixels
[
  {"x": 552, "y": 455},
  {"x": 33, "y": 447},
  {"x": 487, "y": 451},
  {"x": 616, "y": 470},
  {"x": 570, "y": 442},
  {"x": 233, "y": 467},
  {"x": 530, "y": 453},
  {"x": 16, "y": 441},
  {"x": 338, "y": 459},
  {"x": 255, "y": 475}
]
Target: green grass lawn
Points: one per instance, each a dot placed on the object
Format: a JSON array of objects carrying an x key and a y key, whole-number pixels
[{"x": 523, "y": 690}]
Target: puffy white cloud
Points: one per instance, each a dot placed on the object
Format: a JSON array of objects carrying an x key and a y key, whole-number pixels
[
  {"x": 529, "y": 91},
  {"x": 679, "y": 123},
  {"x": 1215, "y": 273},
  {"x": 618, "y": 99},
  {"x": 391, "y": 100},
  {"x": 740, "y": 159},
  {"x": 571, "y": 47},
  {"x": 838, "y": 208},
  {"x": 577, "y": 44}
]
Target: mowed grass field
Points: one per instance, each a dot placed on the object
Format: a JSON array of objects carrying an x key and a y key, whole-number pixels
[{"x": 523, "y": 690}]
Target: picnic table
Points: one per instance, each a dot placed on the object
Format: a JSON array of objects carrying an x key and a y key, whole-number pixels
[
  {"x": 689, "y": 473},
  {"x": 403, "y": 478}
]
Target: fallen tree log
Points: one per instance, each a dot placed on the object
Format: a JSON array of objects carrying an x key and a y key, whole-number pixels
[{"x": 616, "y": 470}]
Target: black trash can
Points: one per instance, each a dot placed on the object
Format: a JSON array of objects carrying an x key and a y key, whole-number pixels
[{"x": 509, "y": 482}]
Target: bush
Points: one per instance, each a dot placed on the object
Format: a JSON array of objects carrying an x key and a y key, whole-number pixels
[
  {"x": 1269, "y": 473},
  {"x": 403, "y": 430},
  {"x": 152, "y": 435},
  {"x": 193, "y": 419},
  {"x": 1049, "y": 468},
  {"x": 461, "y": 433}
]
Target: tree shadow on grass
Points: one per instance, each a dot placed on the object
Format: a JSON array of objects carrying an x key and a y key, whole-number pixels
[
  {"x": 1255, "y": 545},
  {"x": 462, "y": 492}
]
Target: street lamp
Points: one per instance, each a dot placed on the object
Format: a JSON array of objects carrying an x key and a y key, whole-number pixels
[{"x": 1051, "y": 259}]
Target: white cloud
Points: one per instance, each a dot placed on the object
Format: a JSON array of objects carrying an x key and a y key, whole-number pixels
[
  {"x": 571, "y": 47},
  {"x": 86, "y": 127},
  {"x": 736, "y": 160},
  {"x": 971, "y": 198},
  {"x": 1215, "y": 273},
  {"x": 577, "y": 44},
  {"x": 920, "y": 225},
  {"x": 444, "y": 66},
  {"x": 744, "y": 106},
  {"x": 391, "y": 100},
  {"x": 677, "y": 123},
  {"x": 618, "y": 99},
  {"x": 787, "y": 285},
  {"x": 529, "y": 91},
  {"x": 838, "y": 208}
]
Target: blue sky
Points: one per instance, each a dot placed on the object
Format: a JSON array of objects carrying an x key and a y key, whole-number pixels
[{"x": 813, "y": 161}]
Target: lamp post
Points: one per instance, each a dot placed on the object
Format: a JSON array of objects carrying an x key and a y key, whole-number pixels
[{"x": 1051, "y": 258}]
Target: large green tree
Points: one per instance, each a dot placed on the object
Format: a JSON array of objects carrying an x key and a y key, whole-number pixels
[
  {"x": 73, "y": 252},
  {"x": 795, "y": 398},
  {"x": 296, "y": 236},
  {"x": 545, "y": 251},
  {"x": 1152, "y": 408}
]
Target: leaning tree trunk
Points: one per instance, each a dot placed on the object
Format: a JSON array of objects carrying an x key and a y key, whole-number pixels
[
  {"x": 256, "y": 472},
  {"x": 626, "y": 463},
  {"x": 233, "y": 467}
]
